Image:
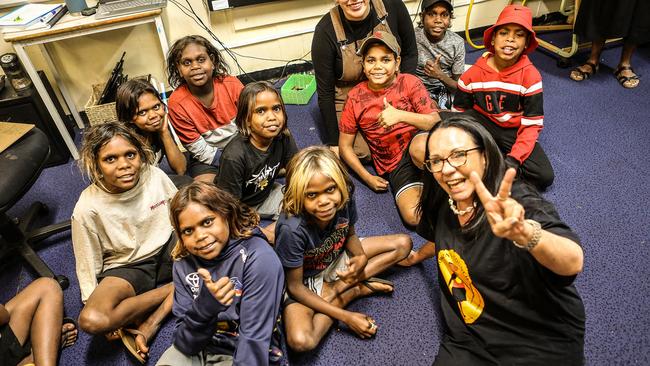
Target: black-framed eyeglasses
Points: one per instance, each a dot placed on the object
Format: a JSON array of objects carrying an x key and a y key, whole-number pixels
[{"x": 455, "y": 159}]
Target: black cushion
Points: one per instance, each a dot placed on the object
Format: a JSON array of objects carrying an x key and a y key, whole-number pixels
[{"x": 20, "y": 166}]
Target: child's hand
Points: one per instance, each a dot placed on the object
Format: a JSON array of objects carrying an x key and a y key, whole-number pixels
[
  {"x": 389, "y": 116},
  {"x": 163, "y": 127},
  {"x": 363, "y": 325},
  {"x": 354, "y": 271},
  {"x": 432, "y": 68},
  {"x": 377, "y": 184},
  {"x": 223, "y": 290}
]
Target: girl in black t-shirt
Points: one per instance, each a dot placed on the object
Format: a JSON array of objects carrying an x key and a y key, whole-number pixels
[
  {"x": 259, "y": 153},
  {"x": 325, "y": 262}
]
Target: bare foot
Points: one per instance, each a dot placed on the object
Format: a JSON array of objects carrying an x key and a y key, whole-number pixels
[
  {"x": 69, "y": 334},
  {"x": 112, "y": 335},
  {"x": 146, "y": 331},
  {"x": 412, "y": 259},
  {"x": 370, "y": 287}
]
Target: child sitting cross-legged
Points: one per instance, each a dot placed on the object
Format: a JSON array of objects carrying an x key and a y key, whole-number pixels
[
  {"x": 259, "y": 153},
  {"x": 122, "y": 238},
  {"x": 388, "y": 109},
  {"x": 326, "y": 264},
  {"x": 228, "y": 283}
]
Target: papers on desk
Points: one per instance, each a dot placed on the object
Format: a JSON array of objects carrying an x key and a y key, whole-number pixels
[
  {"x": 32, "y": 17},
  {"x": 12, "y": 132}
]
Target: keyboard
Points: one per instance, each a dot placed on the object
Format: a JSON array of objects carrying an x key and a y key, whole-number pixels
[{"x": 112, "y": 8}]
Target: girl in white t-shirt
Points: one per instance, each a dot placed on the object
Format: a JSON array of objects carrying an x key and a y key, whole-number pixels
[{"x": 122, "y": 238}]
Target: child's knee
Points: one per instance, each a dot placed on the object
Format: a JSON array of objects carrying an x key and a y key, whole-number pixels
[
  {"x": 93, "y": 321},
  {"x": 403, "y": 245},
  {"x": 48, "y": 289},
  {"x": 301, "y": 341},
  {"x": 546, "y": 178},
  {"x": 417, "y": 149}
]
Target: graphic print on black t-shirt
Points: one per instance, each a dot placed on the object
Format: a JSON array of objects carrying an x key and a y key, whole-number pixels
[
  {"x": 454, "y": 271},
  {"x": 322, "y": 256},
  {"x": 261, "y": 179}
]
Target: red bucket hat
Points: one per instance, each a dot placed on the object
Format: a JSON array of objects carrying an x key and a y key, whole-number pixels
[{"x": 516, "y": 14}]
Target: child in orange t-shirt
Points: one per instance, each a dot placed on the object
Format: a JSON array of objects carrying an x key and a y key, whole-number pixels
[{"x": 203, "y": 106}]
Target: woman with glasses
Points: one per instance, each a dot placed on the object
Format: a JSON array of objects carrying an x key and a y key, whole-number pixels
[{"x": 506, "y": 261}]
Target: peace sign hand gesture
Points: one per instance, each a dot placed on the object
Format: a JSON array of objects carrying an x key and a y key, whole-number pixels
[{"x": 505, "y": 215}]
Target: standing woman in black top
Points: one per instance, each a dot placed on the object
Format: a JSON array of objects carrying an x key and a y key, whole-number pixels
[{"x": 338, "y": 67}]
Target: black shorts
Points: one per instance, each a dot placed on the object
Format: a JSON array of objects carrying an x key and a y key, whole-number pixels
[
  {"x": 146, "y": 274},
  {"x": 11, "y": 352},
  {"x": 405, "y": 175},
  {"x": 196, "y": 168}
]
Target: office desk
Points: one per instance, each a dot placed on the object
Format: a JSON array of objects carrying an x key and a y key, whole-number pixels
[{"x": 70, "y": 27}]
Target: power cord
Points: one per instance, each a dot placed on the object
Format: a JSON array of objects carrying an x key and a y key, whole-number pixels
[{"x": 189, "y": 12}]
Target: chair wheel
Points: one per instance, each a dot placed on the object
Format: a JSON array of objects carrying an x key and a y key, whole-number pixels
[
  {"x": 563, "y": 62},
  {"x": 63, "y": 281}
]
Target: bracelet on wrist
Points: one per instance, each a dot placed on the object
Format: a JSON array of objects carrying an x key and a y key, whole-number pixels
[{"x": 534, "y": 239}]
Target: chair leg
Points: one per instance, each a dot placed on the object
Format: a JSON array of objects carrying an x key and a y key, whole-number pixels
[
  {"x": 42, "y": 233},
  {"x": 35, "y": 209},
  {"x": 15, "y": 239}
]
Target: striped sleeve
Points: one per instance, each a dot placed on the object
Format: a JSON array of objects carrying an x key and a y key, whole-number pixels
[{"x": 464, "y": 98}]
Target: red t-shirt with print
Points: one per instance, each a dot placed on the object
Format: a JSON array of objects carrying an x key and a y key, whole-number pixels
[{"x": 407, "y": 93}]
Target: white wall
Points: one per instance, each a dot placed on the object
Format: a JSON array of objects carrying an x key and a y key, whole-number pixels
[{"x": 280, "y": 30}]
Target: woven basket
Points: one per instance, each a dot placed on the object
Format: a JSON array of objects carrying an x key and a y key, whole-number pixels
[
  {"x": 102, "y": 113},
  {"x": 99, "y": 113}
]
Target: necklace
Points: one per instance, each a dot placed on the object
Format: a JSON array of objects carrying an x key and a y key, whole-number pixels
[{"x": 458, "y": 212}]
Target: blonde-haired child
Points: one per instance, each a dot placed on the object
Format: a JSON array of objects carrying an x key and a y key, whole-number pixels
[
  {"x": 228, "y": 282},
  {"x": 325, "y": 262}
]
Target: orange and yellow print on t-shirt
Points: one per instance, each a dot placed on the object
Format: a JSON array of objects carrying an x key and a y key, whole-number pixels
[{"x": 454, "y": 271}]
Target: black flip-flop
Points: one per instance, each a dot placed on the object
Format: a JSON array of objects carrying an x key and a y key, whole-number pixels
[
  {"x": 624, "y": 79},
  {"x": 585, "y": 74},
  {"x": 367, "y": 283}
]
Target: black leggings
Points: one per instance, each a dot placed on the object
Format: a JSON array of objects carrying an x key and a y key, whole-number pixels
[{"x": 536, "y": 169}]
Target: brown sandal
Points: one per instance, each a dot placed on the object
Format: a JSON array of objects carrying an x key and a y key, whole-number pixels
[
  {"x": 128, "y": 338},
  {"x": 625, "y": 80},
  {"x": 583, "y": 75}
]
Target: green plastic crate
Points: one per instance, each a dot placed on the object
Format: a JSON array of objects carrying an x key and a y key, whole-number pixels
[{"x": 298, "y": 89}]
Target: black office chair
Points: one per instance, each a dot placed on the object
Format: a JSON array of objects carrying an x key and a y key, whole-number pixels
[{"x": 20, "y": 166}]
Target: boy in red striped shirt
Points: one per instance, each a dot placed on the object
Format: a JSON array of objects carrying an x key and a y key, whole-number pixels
[{"x": 505, "y": 88}]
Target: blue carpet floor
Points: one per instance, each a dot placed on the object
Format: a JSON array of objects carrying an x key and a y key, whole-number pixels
[{"x": 597, "y": 137}]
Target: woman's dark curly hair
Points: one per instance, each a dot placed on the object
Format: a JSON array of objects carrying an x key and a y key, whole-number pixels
[{"x": 174, "y": 77}]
